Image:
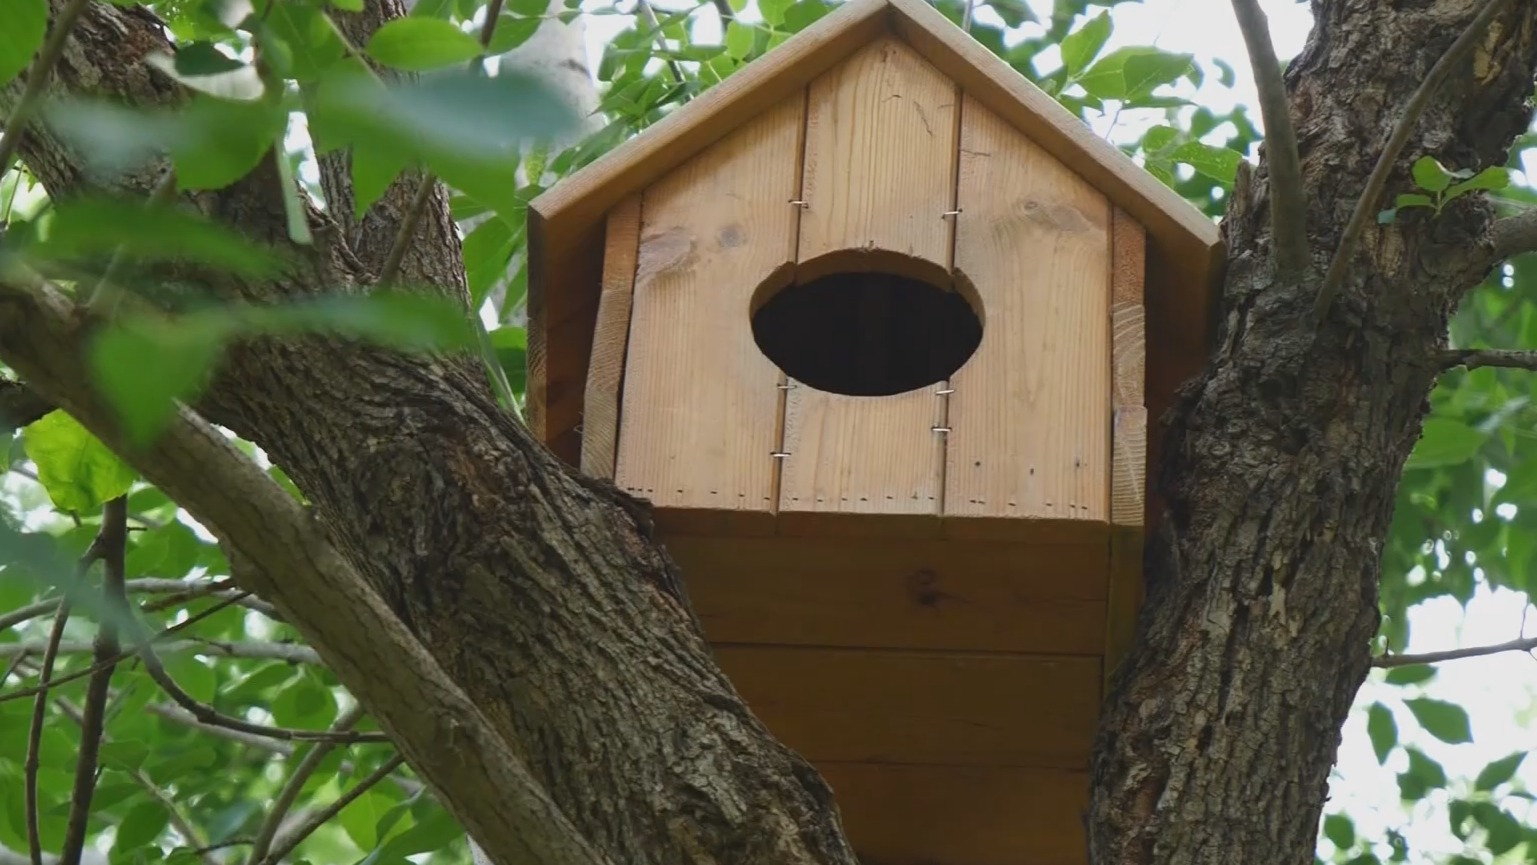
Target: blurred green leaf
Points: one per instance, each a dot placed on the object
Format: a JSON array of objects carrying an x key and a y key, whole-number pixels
[
  {"x": 1445, "y": 442},
  {"x": 1340, "y": 830},
  {"x": 1430, "y": 175},
  {"x": 1446, "y": 721},
  {"x": 1382, "y": 729},
  {"x": 141, "y": 826},
  {"x": 418, "y": 44},
  {"x": 1412, "y": 674},
  {"x": 26, "y": 23},
  {"x": 1081, "y": 46},
  {"x": 1499, "y": 772},
  {"x": 144, "y": 366},
  {"x": 86, "y": 227}
]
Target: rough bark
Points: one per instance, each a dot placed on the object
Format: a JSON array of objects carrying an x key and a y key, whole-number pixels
[
  {"x": 1284, "y": 456},
  {"x": 546, "y": 600}
]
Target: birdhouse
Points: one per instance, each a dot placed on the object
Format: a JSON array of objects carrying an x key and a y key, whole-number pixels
[{"x": 877, "y": 327}]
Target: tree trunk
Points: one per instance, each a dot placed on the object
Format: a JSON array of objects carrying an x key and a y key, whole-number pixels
[
  {"x": 1284, "y": 457},
  {"x": 546, "y": 598}
]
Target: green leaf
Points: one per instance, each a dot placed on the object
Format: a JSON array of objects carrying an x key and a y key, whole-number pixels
[
  {"x": 1149, "y": 71},
  {"x": 373, "y": 170},
  {"x": 1492, "y": 179},
  {"x": 140, "y": 827},
  {"x": 419, "y": 44},
  {"x": 1340, "y": 830},
  {"x": 26, "y": 23},
  {"x": 143, "y": 366},
  {"x": 361, "y": 817},
  {"x": 512, "y": 31},
  {"x": 804, "y": 14},
  {"x": 306, "y": 37},
  {"x": 218, "y": 141},
  {"x": 348, "y": 5},
  {"x": 1413, "y": 199},
  {"x": 241, "y": 82},
  {"x": 304, "y": 703},
  {"x": 1015, "y": 13},
  {"x": 1424, "y": 775},
  {"x": 194, "y": 677},
  {"x": 1382, "y": 730},
  {"x": 78, "y": 471},
  {"x": 739, "y": 39},
  {"x": 1218, "y": 163},
  {"x": 395, "y": 319},
  {"x": 169, "y": 550},
  {"x": 1080, "y": 47},
  {"x": 487, "y": 250},
  {"x": 1499, "y": 772},
  {"x": 1430, "y": 175},
  {"x": 1445, "y": 442},
  {"x": 1410, "y": 675},
  {"x": 1446, "y": 721},
  {"x": 85, "y": 227}
]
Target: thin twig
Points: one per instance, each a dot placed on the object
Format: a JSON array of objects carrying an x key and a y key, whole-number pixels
[
  {"x": 1473, "y": 358},
  {"x": 647, "y": 15},
  {"x": 35, "y": 733},
  {"x": 37, "y": 81},
  {"x": 1288, "y": 205},
  {"x": 295, "y": 784},
  {"x": 1366, "y": 205},
  {"x": 292, "y": 653},
  {"x": 1525, "y": 644},
  {"x": 324, "y": 815},
  {"x": 179, "y": 590},
  {"x": 91, "y": 670},
  {"x": 111, "y": 546}
]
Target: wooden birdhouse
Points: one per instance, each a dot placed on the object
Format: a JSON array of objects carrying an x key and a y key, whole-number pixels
[{"x": 878, "y": 326}]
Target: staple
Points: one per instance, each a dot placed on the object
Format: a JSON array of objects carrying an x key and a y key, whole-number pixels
[
  {"x": 801, "y": 203},
  {"x": 945, "y": 391},
  {"x": 779, "y": 455},
  {"x": 939, "y": 429},
  {"x": 786, "y": 386},
  {"x": 949, "y": 213}
]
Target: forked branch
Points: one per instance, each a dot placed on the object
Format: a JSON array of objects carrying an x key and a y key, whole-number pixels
[
  {"x": 1366, "y": 205},
  {"x": 1288, "y": 206},
  {"x": 1525, "y": 644}
]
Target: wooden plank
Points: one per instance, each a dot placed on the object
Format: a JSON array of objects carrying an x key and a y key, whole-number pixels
[
  {"x": 880, "y": 156},
  {"x": 879, "y": 176},
  {"x": 1029, "y": 416},
  {"x": 1128, "y": 474},
  {"x": 605, "y": 372},
  {"x": 558, "y": 350},
  {"x": 906, "y": 593},
  {"x": 701, "y": 402},
  {"x": 857, "y": 705},
  {"x": 960, "y": 815}
]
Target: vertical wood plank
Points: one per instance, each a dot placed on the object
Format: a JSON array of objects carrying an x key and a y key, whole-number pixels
[
  {"x": 1029, "y": 418},
  {"x": 879, "y": 177},
  {"x": 1128, "y": 469},
  {"x": 605, "y": 372},
  {"x": 880, "y": 157},
  {"x": 701, "y": 402}
]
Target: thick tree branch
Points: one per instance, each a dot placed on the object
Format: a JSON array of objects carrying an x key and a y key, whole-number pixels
[
  {"x": 1525, "y": 644},
  {"x": 377, "y": 659},
  {"x": 1288, "y": 204},
  {"x": 20, "y": 406},
  {"x": 1515, "y": 235},
  {"x": 1473, "y": 358},
  {"x": 1366, "y": 206}
]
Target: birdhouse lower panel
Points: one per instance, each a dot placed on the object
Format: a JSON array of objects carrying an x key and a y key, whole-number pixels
[
  {"x": 897, "y": 593},
  {"x": 700, "y": 419},
  {"x": 960, "y": 815},
  {"x": 951, "y": 708},
  {"x": 1029, "y": 417}
]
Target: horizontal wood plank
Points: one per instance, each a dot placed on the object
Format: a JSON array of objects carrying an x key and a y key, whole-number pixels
[
  {"x": 961, "y": 815},
  {"x": 874, "y": 706},
  {"x": 887, "y": 593}
]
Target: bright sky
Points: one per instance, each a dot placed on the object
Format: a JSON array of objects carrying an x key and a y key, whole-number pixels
[{"x": 1497, "y": 691}]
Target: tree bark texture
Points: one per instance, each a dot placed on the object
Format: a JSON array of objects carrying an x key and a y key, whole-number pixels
[
  {"x": 1283, "y": 458},
  {"x": 547, "y": 600}
]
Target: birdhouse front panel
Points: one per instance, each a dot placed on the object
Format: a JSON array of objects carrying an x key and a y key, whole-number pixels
[{"x": 876, "y": 298}]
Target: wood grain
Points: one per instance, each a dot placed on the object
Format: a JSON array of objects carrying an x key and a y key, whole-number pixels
[
  {"x": 961, "y": 815},
  {"x": 701, "y": 402},
  {"x": 605, "y": 372},
  {"x": 565, "y": 237},
  {"x": 880, "y": 157},
  {"x": 879, "y": 174},
  {"x": 903, "y": 593},
  {"x": 1128, "y": 473},
  {"x": 1029, "y": 417},
  {"x": 855, "y": 705}
]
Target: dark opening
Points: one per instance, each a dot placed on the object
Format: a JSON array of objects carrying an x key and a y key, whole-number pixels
[{"x": 867, "y": 334}]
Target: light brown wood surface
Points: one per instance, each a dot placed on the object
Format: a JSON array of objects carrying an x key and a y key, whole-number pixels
[
  {"x": 605, "y": 374},
  {"x": 860, "y": 705},
  {"x": 1129, "y": 457},
  {"x": 565, "y": 236},
  {"x": 880, "y": 161},
  {"x": 896, "y": 593},
  {"x": 1028, "y": 418},
  {"x": 700, "y": 400},
  {"x": 880, "y": 145},
  {"x": 960, "y": 815}
]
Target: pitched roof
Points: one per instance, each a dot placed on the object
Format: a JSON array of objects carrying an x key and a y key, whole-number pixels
[{"x": 566, "y": 222}]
